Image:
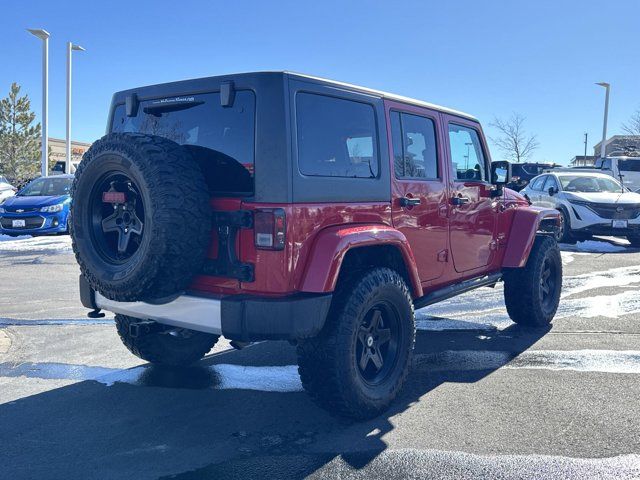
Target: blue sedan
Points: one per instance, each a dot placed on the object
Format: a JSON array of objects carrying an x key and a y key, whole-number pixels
[{"x": 40, "y": 208}]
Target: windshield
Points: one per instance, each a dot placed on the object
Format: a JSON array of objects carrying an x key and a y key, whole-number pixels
[
  {"x": 47, "y": 187},
  {"x": 584, "y": 184},
  {"x": 629, "y": 165}
]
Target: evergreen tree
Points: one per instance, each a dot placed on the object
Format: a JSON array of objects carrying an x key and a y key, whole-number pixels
[{"x": 19, "y": 139}]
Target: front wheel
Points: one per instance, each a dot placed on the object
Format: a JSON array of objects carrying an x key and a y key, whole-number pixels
[
  {"x": 358, "y": 364},
  {"x": 563, "y": 233},
  {"x": 532, "y": 293}
]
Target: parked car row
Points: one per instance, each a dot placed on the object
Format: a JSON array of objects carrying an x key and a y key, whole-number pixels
[{"x": 40, "y": 208}]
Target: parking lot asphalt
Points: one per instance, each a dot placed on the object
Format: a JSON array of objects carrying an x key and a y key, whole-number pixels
[{"x": 485, "y": 398}]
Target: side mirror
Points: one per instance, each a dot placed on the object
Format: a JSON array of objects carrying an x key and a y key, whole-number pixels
[
  {"x": 552, "y": 191},
  {"x": 500, "y": 173}
]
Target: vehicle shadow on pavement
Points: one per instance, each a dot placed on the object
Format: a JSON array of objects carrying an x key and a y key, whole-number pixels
[{"x": 151, "y": 422}]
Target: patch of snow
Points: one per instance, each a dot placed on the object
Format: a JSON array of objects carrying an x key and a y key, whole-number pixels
[
  {"x": 437, "y": 324},
  {"x": 28, "y": 244},
  {"x": 606, "y": 361},
  {"x": 228, "y": 377},
  {"x": 593, "y": 246}
]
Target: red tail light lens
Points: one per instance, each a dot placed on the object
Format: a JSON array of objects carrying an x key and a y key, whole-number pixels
[{"x": 270, "y": 227}]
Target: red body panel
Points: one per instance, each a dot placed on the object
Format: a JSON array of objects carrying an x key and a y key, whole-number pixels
[
  {"x": 440, "y": 244},
  {"x": 333, "y": 243},
  {"x": 524, "y": 225}
]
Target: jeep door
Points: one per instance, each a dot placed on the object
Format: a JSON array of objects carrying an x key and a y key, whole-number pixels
[
  {"x": 419, "y": 191},
  {"x": 472, "y": 210}
]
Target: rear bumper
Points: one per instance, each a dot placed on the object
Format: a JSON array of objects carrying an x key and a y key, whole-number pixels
[{"x": 244, "y": 318}]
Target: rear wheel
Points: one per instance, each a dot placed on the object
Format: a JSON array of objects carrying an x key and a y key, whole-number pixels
[
  {"x": 532, "y": 293},
  {"x": 163, "y": 344},
  {"x": 359, "y": 362}
]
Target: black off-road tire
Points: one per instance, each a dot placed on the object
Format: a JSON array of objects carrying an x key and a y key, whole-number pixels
[
  {"x": 328, "y": 363},
  {"x": 524, "y": 288},
  {"x": 181, "y": 347},
  {"x": 634, "y": 240},
  {"x": 177, "y": 217}
]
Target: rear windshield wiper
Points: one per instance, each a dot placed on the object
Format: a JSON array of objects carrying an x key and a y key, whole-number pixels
[{"x": 159, "y": 108}]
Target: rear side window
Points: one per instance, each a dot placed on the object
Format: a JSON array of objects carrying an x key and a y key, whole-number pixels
[
  {"x": 467, "y": 157},
  {"x": 336, "y": 137},
  {"x": 220, "y": 138},
  {"x": 414, "y": 146}
]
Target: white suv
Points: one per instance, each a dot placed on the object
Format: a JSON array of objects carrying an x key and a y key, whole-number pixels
[
  {"x": 625, "y": 169},
  {"x": 591, "y": 204}
]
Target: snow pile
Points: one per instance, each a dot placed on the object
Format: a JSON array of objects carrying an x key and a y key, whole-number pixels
[
  {"x": 594, "y": 246},
  {"x": 28, "y": 244}
]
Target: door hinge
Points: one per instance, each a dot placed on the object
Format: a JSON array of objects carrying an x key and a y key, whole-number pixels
[
  {"x": 493, "y": 245},
  {"x": 443, "y": 256}
]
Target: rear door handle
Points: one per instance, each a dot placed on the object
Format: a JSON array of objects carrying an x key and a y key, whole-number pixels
[
  {"x": 457, "y": 201},
  {"x": 409, "y": 201}
]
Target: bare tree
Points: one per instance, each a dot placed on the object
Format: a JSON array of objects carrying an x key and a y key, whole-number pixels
[
  {"x": 515, "y": 143},
  {"x": 633, "y": 126}
]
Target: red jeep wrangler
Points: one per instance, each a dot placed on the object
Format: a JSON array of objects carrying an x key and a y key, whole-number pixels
[{"x": 270, "y": 206}]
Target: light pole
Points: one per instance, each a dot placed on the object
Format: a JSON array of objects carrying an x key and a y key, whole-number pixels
[
  {"x": 44, "y": 36},
  {"x": 606, "y": 115},
  {"x": 70, "y": 48},
  {"x": 586, "y": 136}
]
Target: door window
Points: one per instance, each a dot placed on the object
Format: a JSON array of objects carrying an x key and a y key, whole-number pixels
[
  {"x": 551, "y": 182},
  {"x": 414, "y": 146},
  {"x": 537, "y": 183},
  {"x": 467, "y": 157}
]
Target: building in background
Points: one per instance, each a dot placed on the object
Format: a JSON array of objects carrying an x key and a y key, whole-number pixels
[
  {"x": 57, "y": 152},
  {"x": 582, "y": 161},
  {"x": 619, "y": 145}
]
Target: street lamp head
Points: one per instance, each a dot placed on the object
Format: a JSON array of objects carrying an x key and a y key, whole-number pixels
[
  {"x": 38, "y": 32},
  {"x": 77, "y": 47},
  {"x": 603, "y": 84}
]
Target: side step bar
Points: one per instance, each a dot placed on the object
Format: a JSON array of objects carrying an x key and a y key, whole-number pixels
[{"x": 456, "y": 289}]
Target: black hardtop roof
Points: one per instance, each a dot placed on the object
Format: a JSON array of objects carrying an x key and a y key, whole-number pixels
[{"x": 197, "y": 84}]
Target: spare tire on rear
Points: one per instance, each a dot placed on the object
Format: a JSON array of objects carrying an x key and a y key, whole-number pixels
[{"x": 140, "y": 219}]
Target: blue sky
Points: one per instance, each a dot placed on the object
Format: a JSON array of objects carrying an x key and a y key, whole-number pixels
[{"x": 539, "y": 59}]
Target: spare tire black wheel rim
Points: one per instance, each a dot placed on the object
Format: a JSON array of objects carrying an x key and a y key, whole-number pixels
[
  {"x": 377, "y": 343},
  {"x": 117, "y": 217}
]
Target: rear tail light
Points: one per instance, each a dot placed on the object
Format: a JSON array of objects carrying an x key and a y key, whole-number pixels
[{"x": 270, "y": 226}]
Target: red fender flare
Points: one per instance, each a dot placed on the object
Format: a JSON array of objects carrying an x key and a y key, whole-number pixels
[
  {"x": 524, "y": 226},
  {"x": 333, "y": 243}
]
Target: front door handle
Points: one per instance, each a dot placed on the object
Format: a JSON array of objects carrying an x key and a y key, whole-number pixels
[
  {"x": 457, "y": 201},
  {"x": 409, "y": 201}
]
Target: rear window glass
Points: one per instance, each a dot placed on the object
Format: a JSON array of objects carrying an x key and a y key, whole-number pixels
[
  {"x": 220, "y": 138},
  {"x": 336, "y": 137}
]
